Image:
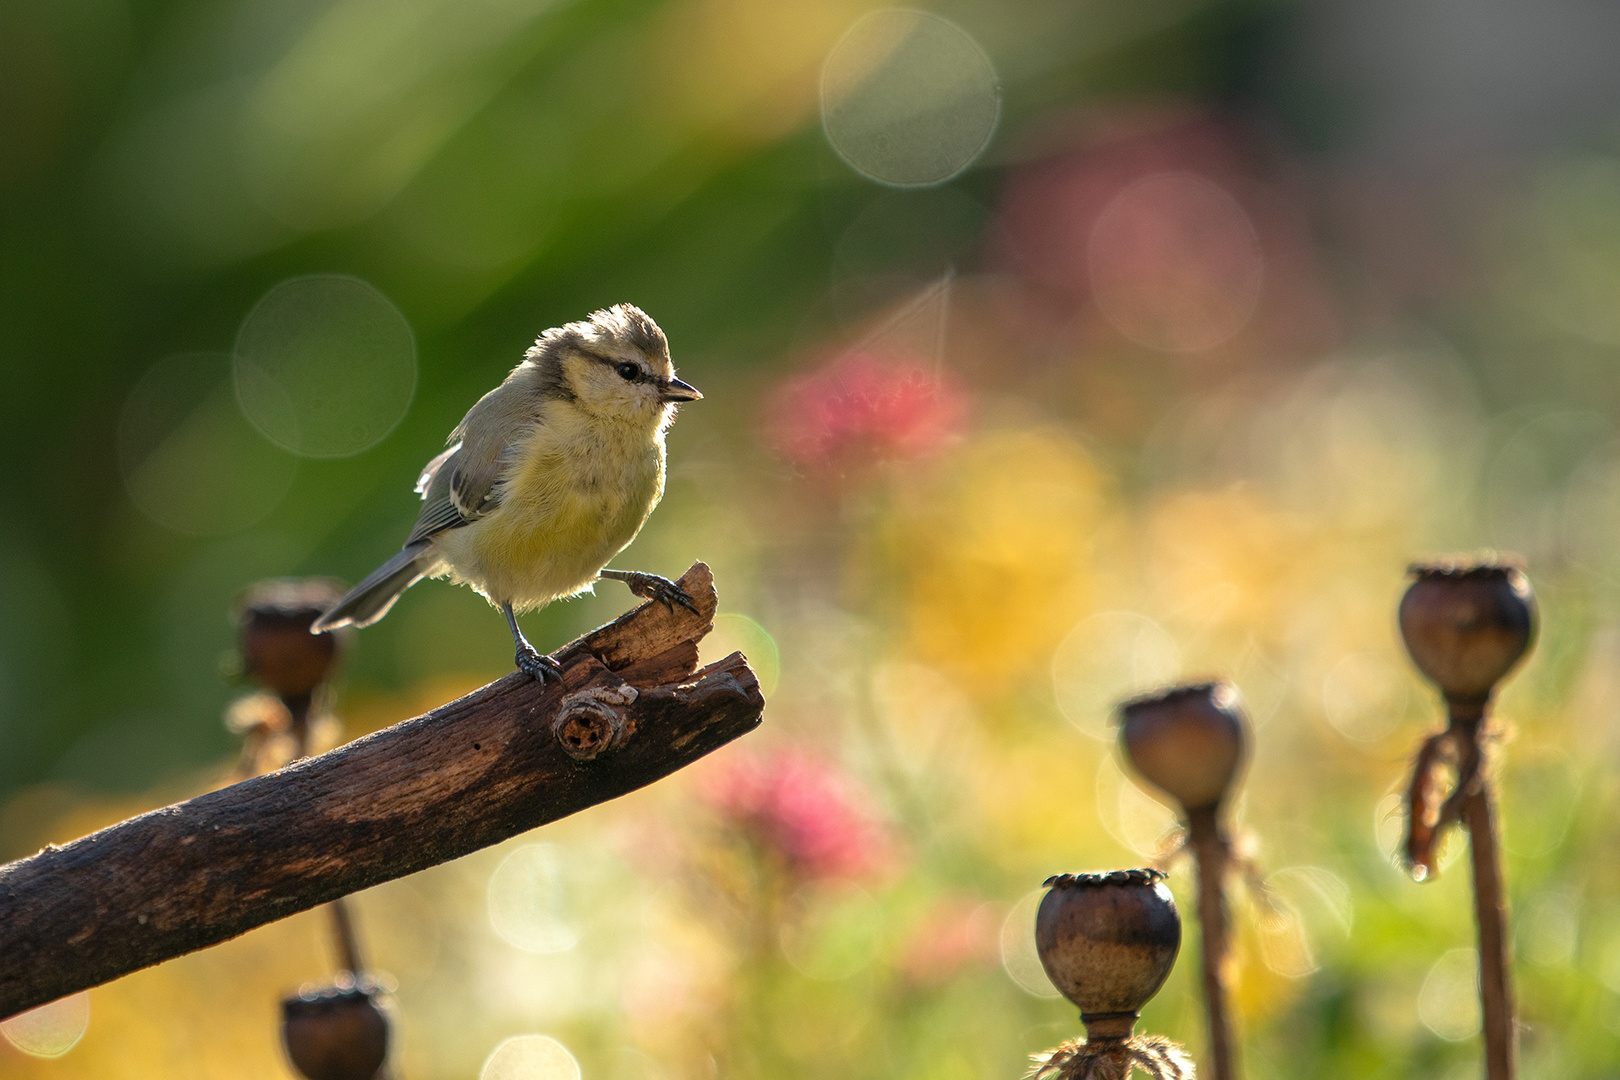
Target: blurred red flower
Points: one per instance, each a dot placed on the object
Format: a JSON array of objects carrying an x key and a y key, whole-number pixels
[
  {"x": 800, "y": 808},
  {"x": 862, "y": 408}
]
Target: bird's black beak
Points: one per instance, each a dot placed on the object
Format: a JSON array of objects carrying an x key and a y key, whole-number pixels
[{"x": 675, "y": 390}]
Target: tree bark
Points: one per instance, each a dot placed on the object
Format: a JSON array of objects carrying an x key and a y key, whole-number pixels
[{"x": 498, "y": 762}]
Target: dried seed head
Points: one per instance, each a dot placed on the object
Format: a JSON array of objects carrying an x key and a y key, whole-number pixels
[
  {"x": 335, "y": 1033},
  {"x": 1467, "y": 623},
  {"x": 1186, "y": 741},
  {"x": 278, "y": 651},
  {"x": 1108, "y": 942}
]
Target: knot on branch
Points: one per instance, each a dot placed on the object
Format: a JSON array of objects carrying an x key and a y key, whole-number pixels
[{"x": 591, "y": 721}]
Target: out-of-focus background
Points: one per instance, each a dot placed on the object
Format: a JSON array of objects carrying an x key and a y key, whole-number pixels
[{"x": 1051, "y": 350}]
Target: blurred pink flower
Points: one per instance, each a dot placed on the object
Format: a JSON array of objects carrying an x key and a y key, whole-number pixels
[
  {"x": 801, "y": 808},
  {"x": 862, "y": 408}
]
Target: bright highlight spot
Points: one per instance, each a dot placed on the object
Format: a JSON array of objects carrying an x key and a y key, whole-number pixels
[
  {"x": 738, "y": 633},
  {"x": 1018, "y": 955},
  {"x": 325, "y": 366},
  {"x": 528, "y": 901},
  {"x": 1107, "y": 658},
  {"x": 50, "y": 1030},
  {"x": 1389, "y": 833},
  {"x": 908, "y": 98},
  {"x": 530, "y": 1057},
  {"x": 189, "y": 461},
  {"x": 1448, "y": 1003},
  {"x": 1175, "y": 263}
]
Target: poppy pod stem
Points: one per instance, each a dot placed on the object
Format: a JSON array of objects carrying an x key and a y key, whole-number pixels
[
  {"x": 1189, "y": 743},
  {"x": 1101, "y": 1027},
  {"x": 1490, "y": 913},
  {"x": 1466, "y": 625},
  {"x": 344, "y": 940},
  {"x": 278, "y": 651},
  {"x": 1211, "y": 852},
  {"x": 1475, "y": 808}
]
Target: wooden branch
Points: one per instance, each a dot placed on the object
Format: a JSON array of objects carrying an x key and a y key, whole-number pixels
[{"x": 469, "y": 774}]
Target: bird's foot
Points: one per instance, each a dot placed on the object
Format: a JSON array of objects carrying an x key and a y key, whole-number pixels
[
  {"x": 537, "y": 665},
  {"x": 663, "y": 590}
]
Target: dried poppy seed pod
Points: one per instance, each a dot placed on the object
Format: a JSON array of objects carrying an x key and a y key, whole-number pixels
[
  {"x": 1108, "y": 942},
  {"x": 278, "y": 651},
  {"x": 1186, "y": 741},
  {"x": 1466, "y": 624},
  {"x": 335, "y": 1033}
]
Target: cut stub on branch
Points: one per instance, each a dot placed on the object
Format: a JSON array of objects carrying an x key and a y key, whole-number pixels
[
  {"x": 595, "y": 720},
  {"x": 632, "y": 707}
]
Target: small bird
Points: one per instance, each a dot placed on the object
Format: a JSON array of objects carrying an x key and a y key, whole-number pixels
[{"x": 547, "y": 478}]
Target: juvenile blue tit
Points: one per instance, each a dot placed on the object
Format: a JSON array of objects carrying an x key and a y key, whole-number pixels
[{"x": 546, "y": 479}]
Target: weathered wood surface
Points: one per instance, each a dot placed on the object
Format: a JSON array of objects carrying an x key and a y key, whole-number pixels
[{"x": 464, "y": 776}]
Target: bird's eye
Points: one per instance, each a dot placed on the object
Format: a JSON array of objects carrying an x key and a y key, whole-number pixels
[{"x": 628, "y": 372}]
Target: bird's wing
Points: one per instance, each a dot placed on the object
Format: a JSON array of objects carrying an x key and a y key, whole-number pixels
[
  {"x": 461, "y": 485},
  {"x": 439, "y": 509},
  {"x": 431, "y": 469}
]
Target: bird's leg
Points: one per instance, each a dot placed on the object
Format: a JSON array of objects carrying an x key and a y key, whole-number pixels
[
  {"x": 530, "y": 660},
  {"x": 653, "y": 587}
]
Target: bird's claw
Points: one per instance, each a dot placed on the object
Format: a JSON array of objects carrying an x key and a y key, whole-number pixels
[
  {"x": 537, "y": 665},
  {"x": 663, "y": 590}
]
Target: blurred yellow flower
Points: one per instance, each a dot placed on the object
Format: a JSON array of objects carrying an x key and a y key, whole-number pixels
[
  {"x": 1226, "y": 559},
  {"x": 992, "y": 555}
]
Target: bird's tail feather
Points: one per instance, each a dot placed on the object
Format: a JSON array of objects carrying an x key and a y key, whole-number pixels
[{"x": 370, "y": 600}]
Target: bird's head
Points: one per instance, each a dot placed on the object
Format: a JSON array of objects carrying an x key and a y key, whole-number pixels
[{"x": 613, "y": 365}]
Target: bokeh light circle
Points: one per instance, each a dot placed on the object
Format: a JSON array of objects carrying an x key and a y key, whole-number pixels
[
  {"x": 188, "y": 459},
  {"x": 50, "y": 1030},
  {"x": 1307, "y": 905},
  {"x": 1107, "y": 658},
  {"x": 530, "y": 1057},
  {"x": 1364, "y": 695},
  {"x": 528, "y": 901},
  {"x": 325, "y": 366},
  {"x": 1019, "y": 957},
  {"x": 833, "y": 930},
  {"x": 1136, "y": 819},
  {"x": 908, "y": 98},
  {"x": 1448, "y": 1003},
  {"x": 738, "y": 633},
  {"x": 1175, "y": 263}
]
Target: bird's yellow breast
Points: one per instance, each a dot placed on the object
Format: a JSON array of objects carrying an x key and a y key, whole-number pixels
[{"x": 576, "y": 493}]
